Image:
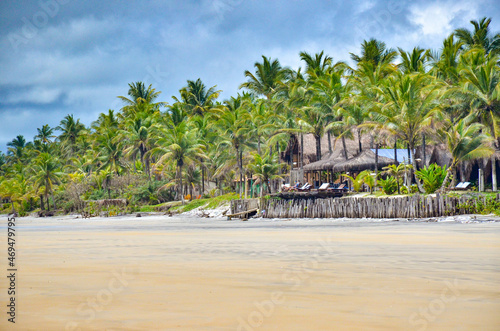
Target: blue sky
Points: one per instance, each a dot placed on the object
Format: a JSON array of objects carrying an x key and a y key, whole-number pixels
[{"x": 60, "y": 57}]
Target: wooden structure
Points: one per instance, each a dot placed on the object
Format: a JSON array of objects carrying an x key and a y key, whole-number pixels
[{"x": 416, "y": 206}]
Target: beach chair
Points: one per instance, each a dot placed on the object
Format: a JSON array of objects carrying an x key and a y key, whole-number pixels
[
  {"x": 285, "y": 188},
  {"x": 462, "y": 186},
  {"x": 324, "y": 187},
  {"x": 305, "y": 188}
]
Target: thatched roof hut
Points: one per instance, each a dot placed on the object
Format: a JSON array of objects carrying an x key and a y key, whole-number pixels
[{"x": 364, "y": 161}]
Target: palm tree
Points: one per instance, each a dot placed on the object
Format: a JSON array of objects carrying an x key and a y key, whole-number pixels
[
  {"x": 397, "y": 171},
  {"x": 265, "y": 168},
  {"x": 480, "y": 37},
  {"x": 374, "y": 51},
  {"x": 197, "y": 99},
  {"x": 414, "y": 61},
  {"x": 316, "y": 66},
  {"x": 71, "y": 131},
  {"x": 268, "y": 79},
  {"x": 45, "y": 134},
  {"x": 445, "y": 63},
  {"x": 411, "y": 101},
  {"x": 180, "y": 145},
  {"x": 46, "y": 174},
  {"x": 233, "y": 127},
  {"x": 17, "y": 148},
  {"x": 105, "y": 122},
  {"x": 480, "y": 84},
  {"x": 110, "y": 152},
  {"x": 138, "y": 135},
  {"x": 465, "y": 141}
]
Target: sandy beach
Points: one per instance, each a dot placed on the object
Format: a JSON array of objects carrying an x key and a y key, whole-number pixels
[{"x": 190, "y": 273}]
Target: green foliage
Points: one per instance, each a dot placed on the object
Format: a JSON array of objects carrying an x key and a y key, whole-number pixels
[
  {"x": 432, "y": 177},
  {"x": 389, "y": 185}
]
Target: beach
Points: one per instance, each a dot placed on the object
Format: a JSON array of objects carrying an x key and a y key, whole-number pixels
[{"x": 190, "y": 273}]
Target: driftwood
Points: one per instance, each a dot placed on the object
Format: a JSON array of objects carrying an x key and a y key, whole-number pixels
[{"x": 245, "y": 214}]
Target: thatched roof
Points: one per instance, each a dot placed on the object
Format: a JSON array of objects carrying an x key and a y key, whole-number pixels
[{"x": 364, "y": 161}]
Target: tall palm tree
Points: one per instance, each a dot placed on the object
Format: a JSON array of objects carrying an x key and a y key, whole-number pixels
[
  {"x": 414, "y": 61},
  {"x": 17, "y": 148},
  {"x": 445, "y": 63},
  {"x": 318, "y": 65},
  {"x": 465, "y": 141},
  {"x": 480, "y": 37},
  {"x": 480, "y": 84},
  {"x": 47, "y": 173},
  {"x": 233, "y": 127},
  {"x": 71, "y": 131},
  {"x": 110, "y": 152},
  {"x": 411, "y": 101},
  {"x": 141, "y": 99},
  {"x": 268, "y": 78},
  {"x": 180, "y": 145},
  {"x": 197, "y": 99},
  {"x": 374, "y": 51},
  {"x": 45, "y": 134}
]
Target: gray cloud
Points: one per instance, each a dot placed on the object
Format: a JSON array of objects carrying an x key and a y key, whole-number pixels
[{"x": 64, "y": 57}]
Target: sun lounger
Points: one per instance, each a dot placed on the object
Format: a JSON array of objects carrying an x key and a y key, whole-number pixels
[
  {"x": 306, "y": 187},
  {"x": 462, "y": 186},
  {"x": 323, "y": 187}
]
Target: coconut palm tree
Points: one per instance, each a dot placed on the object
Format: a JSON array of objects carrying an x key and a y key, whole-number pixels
[
  {"x": 71, "y": 131},
  {"x": 268, "y": 78},
  {"x": 466, "y": 141},
  {"x": 480, "y": 86},
  {"x": 414, "y": 61},
  {"x": 45, "y": 134},
  {"x": 480, "y": 37},
  {"x": 411, "y": 101},
  {"x": 374, "y": 51},
  {"x": 110, "y": 152},
  {"x": 141, "y": 99},
  {"x": 197, "y": 99},
  {"x": 17, "y": 149},
  {"x": 46, "y": 173},
  {"x": 265, "y": 168},
  {"x": 233, "y": 125},
  {"x": 180, "y": 145}
]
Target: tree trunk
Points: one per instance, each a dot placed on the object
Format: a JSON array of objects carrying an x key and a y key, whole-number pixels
[
  {"x": 318, "y": 147},
  {"x": 376, "y": 164},
  {"x": 414, "y": 163},
  {"x": 42, "y": 207},
  {"x": 329, "y": 142},
  {"x": 240, "y": 166},
  {"x": 494, "y": 173},
  {"x": 202, "y": 180},
  {"x": 359, "y": 141},
  {"x": 424, "y": 154},
  {"x": 396, "y": 149},
  {"x": 179, "y": 176},
  {"x": 53, "y": 200},
  {"x": 12, "y": 204},
  {"x": 301, "y": 150},
  {"x": 344, "y": 146}
]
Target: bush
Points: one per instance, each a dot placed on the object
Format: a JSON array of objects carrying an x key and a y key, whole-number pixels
[
  {"x": 389, "y": 185},
  {"x": 432, "y": 177}
]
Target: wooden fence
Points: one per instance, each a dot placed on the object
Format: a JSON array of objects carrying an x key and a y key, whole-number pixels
[{"x": 416, "y": 206}]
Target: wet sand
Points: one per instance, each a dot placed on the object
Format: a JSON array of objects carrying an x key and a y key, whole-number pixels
[{"x": 188, "y": 273}]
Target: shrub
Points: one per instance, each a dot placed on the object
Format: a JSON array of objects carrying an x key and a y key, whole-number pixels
[
  {"x": 389, "y": 185},
  {"x": 432, "y": 177}
]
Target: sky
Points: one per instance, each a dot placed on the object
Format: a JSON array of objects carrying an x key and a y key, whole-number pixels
[{"x": 60, "y": 57}]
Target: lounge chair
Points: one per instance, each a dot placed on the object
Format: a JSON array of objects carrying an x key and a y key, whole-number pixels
[
  {"x": 324, "y": 187},
  {"x": 306, "y": 187},
  {"x": 462, "y": 186}
]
